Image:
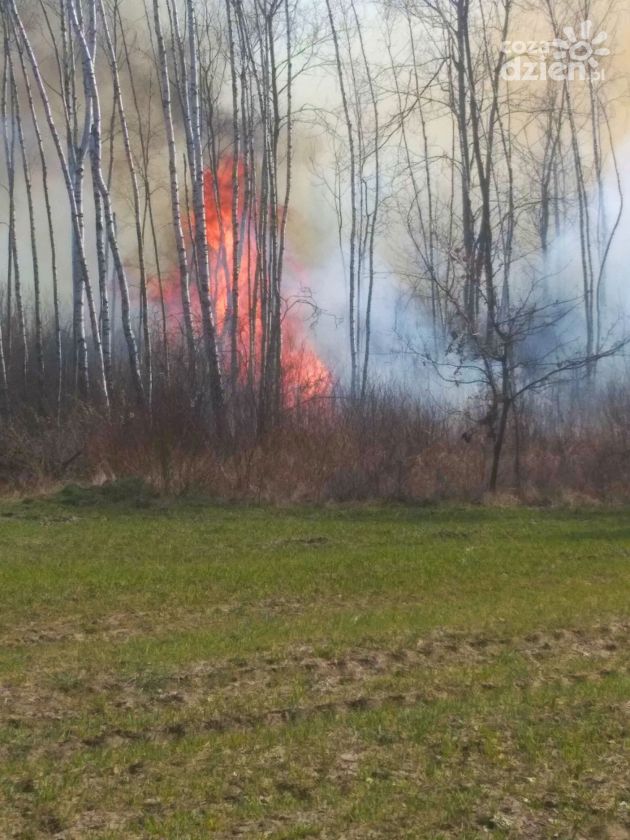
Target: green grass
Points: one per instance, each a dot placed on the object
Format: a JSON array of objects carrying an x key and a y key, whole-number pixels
[{"x": 192, "y": 671}]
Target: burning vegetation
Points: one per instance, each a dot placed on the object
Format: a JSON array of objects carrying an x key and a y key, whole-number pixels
[
  {"x": 462, "y": 223},
  {"x": 240, "y": 296}
]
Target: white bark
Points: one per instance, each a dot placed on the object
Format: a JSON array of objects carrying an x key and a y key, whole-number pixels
[
  {"x": 201, "y": 239},
  {"x": 182, "y": 260},
  {"x": 70, "y": 186},
  {"x": 96, "y": 151}
]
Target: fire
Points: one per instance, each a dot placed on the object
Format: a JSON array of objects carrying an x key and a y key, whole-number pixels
[{"x": 304, "y": 374}]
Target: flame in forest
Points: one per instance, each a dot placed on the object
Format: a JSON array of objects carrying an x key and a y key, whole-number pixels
[{"x": 304, "y": 374}]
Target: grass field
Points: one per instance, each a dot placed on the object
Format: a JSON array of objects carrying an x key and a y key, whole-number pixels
[{"x": 190, "y": 671}]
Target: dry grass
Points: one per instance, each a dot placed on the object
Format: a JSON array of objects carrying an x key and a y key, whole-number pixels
[{"x": 389, "y": 448}]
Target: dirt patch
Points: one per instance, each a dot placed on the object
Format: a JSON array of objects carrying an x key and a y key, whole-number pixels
[{"x": 354, "y": 680}]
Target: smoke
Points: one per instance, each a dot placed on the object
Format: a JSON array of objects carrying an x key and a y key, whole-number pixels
[
  {"x": 401, "y": 329},
  {"x": 610, "y": 253}
]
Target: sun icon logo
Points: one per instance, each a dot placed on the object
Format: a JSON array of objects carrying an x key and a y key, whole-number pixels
[{"x": 581, "y": 48}]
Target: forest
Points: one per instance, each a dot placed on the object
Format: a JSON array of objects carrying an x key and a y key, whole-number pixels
[
  {"x": 286, "y": 250},
  {"x": 314, "y": 402}
]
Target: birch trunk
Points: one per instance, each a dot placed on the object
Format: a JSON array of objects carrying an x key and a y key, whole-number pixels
[
  {"x": 70, "y": 185},
  {"x": 182, "y": 259},
  {"x": 136, "y": 202},
  {"x": 51, "y": 231},
  {"x": 96, "y": 151},
  {"x": 353, "y": 207},
  {"x": 14, "y": 263},
  {"x": 201, "y": 240},
  {"x": 26, "y": 172}
]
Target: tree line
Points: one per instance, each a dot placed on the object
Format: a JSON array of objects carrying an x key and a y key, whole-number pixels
[{"x": 149, "y": 159}]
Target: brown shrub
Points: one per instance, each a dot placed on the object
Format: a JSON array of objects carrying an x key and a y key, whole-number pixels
[{"x": 389, "y": 448}]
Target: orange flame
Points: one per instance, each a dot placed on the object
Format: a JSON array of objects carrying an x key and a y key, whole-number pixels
[{"x": 304, "y": 374}]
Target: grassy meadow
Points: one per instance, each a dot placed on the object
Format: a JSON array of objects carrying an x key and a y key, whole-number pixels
[{"x": 184, "y": 670}]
